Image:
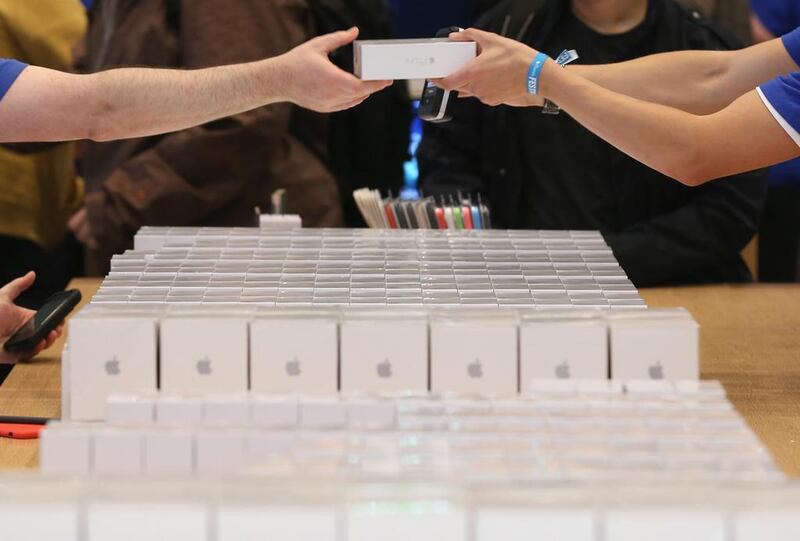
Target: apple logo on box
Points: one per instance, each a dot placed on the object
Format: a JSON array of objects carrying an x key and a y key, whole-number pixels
[
  {"x": 385, "y": 369},
  {"x": 204, "y": 366},
  {"x": 293, "y": 369},
  {"x": 563, "y": 371},
  {"x": 657, "y": 371},
  {"x": 475, "y": 370},
  {"x": 112, "y": 366}
]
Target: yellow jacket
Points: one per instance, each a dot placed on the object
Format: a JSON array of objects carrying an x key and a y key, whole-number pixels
[{"x": 39, "y": 191}]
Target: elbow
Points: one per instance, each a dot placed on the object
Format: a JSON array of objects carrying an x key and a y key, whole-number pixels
[
  {"x": 690, "y": 168},
  {"x": 100, "y": 128},
  {"x": 102, "y": 120},
  {"x": 691, "y": 177}
]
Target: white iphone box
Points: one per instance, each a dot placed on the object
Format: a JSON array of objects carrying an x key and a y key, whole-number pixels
[
  {"x": 474, "y": 355},
  {"x": 562, "y": 346},
  {"x": 655, "y": 348},
  {"x": 384, "y": 353},
  {"x": 401, "y": 59},
  {"x": 294, "y": 354},
  {"x": 204, "y": 354},
  {"x": 108, "y": 355}
]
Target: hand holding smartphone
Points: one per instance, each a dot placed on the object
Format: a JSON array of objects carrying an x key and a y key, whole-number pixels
[{"x": 30, "y": 332}]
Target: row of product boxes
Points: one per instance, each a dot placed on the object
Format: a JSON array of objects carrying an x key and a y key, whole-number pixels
[{"x": 492, "y": 352}]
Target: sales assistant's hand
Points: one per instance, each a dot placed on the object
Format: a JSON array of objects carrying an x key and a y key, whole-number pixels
[
  {"x": 12, "y": 317},
  {"x": 499, "y": 75},
  {"x": 311, "y": 80}
]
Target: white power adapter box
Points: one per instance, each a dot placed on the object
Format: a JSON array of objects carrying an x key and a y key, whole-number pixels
[{"x": 401, "y": 59}]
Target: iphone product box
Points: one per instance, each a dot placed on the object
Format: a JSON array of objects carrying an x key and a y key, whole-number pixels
[
  {"x": 108, "y": 354},
  {"x": 401, "y": 59},
  {"x": 474, "y": 354},
  {"x": 655, "y": 345},
  {"x": 204, "y": 353},
  {"x": 294, "y": 353},
  {"x": 563, "y": 346},
  {"x": 382, "y": 353}
]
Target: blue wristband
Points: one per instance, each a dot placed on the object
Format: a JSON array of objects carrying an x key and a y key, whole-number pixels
[{"x": 534, "y": 72}]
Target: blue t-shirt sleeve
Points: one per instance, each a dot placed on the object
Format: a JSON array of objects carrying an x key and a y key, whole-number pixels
[
  {"x": 792, "y": 43},
  {"x": 782, "y": 98},
  {"x": 9, "y": 71}
]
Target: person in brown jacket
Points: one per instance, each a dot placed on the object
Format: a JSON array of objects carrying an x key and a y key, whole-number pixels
[{"x": 217, "y": 173}]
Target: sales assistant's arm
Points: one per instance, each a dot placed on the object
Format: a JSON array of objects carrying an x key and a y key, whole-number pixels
[{"x": 691, "y": 148}]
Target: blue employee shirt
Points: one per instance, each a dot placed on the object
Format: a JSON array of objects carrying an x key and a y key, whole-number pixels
[
  {"x": 9, "y": 71},
  {"x": 782, "y": 95},
  {"x": 778, "y": 16}
]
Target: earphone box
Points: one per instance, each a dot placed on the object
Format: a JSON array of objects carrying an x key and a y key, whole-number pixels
[{"x": 411, "y": 58}]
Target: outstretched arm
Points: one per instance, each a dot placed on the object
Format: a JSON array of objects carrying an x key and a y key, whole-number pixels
[
  {"x": 699, "y": 82},
  {"x": 690, "y": 148},
  {"x": 47, "y": 105}
]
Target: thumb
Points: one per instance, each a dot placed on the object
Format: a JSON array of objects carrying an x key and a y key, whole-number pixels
[
  {"x": 330, "y": 42},
  {"x": 14, "y": 289}
]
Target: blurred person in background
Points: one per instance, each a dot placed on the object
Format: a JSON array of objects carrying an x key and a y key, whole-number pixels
[
  {"x": 548, "y": 172},
  {"x": 732, "y": 14},
  {"x": 39, "y": 189},
  {"x": 215, "y": 174},
  {"x": 779, "y": 240}
]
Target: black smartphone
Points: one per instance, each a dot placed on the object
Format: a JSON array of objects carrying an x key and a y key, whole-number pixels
[
  {"x": 43, "y": 322},
  {"x": 436, "y": 105}
]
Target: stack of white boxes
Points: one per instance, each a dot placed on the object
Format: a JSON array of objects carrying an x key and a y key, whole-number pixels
[
  {"x": 322, "y": 311},
  {"x": 247, "y": 509},
  {"x": 497, "y": 352},
  {"x": 364, "y": 372}
]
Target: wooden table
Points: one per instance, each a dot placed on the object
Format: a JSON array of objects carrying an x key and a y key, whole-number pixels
[{"x": 750, "y": 341}]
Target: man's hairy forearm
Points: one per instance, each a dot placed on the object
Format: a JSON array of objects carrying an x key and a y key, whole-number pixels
[
  {"x": 699, "y": 82},
  {"x": 137, "y": 103},
  {"x": 47, "y": 105}
]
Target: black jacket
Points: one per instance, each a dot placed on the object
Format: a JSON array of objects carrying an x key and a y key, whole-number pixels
[{"x": 661, "y": 231}]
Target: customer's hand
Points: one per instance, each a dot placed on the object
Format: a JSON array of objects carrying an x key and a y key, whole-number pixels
[
  {"x": 81, "y": 228},
  {"x": 309, "y": 78},
  {"x": 12, "y": 317},
  {"x": 499, "y": 75}
]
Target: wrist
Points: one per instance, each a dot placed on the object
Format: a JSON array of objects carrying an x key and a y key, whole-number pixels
[
  {"x": 276, "y": 79},
  {"x": 551, "y": 72}
]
